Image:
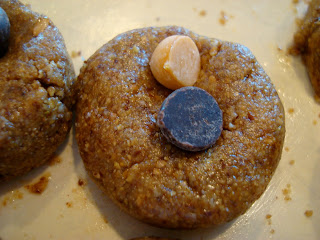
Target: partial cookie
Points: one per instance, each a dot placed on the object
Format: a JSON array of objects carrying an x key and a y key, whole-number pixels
[
  {"x": 126, "y": 154},
  {"x": 307, "y": 43},
  {"x": 36, "y": 91}
]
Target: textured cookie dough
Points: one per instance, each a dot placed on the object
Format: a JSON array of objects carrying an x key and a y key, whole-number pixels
[
  {"x": 307, "y": 44},
  {"x": 127, "y": 156},
  {"x": 36, "y": 91}
]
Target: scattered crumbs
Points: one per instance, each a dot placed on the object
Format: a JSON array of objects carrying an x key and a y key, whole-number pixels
[
  {"x": 75, "y": 54},
  {"x": 40, "y": 185},
  {"x": 272, "y": 231},
  {"x": 314, "y": 122},
  {"x": 223, "y": 18},
  {"x": 286, "y": 192},
  {"x": 202, "y": 13},
  {"x": 308, "y": 213},
  {"x": 55, "y": 160},
  {"x": 69, "y": 204},
  {"x": 291, "y": 110},
  {"x": 291, "y": 162},
  {"x": 11, "y": 197},
  {"x": 286, "y": 149},
  {"x": 268, "y": 217},
  {"x": 81, "y": 182}
]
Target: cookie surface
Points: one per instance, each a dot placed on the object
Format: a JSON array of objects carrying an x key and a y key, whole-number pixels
[
  {"x": 307, "y": 42},
  {"x": 36, "y": 91},
  {"x": 127, "y": 156}
]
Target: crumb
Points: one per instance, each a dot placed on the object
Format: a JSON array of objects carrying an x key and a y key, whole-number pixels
[
  {"x": 308, "y": 213},
  {"x": 314, "y": 122},
  {"x": 268, "y": 217},
  {"x": 319, "y": 115},
  {"x": 55, "y": 160},
  {"x": 272, "y": 231},
  {"x": 194, "y": 9},
  {"x": 291, "y": 162},
  {"x": 286, "y": 149},
  {"x": 81, "y": 182},
  {"x": 286, "y": 192},
  {"x": 291, "y": 110},
  {"x": 40, "y": 185},
  {"x": 69, "y": 204},
  {"x": 223, "y": 18},
  {"x": 105, "y": 220},
  {"x": 203, "y": 13},
  {"x": 157, "y": 19},
  {"x": 277, "y": 197},
  {"x": 75, "y": 54},
  {"x": 317, "y": 98},
  {"x": 295, "y": 1}
]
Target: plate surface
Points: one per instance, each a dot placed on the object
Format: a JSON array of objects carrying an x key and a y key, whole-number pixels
[{"x": 73, "y": 209}]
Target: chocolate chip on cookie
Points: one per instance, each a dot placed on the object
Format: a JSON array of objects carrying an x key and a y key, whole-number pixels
[
  {"x": 191, "y": 119},
  {"x": 4, "y": 32}
]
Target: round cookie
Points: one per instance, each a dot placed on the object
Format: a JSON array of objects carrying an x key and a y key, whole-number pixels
[
  {"x": 127, "y": 156},
  {"x": 36, "y": 91}
]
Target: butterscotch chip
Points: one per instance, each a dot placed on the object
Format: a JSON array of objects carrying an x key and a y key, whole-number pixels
[
  {"x": 175, "y": 62},
  {"x": 126, "y": 154},
  {"x": 36, "y": 91}
]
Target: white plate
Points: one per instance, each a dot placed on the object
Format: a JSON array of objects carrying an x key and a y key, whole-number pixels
[{"x": 67, "y": 211}]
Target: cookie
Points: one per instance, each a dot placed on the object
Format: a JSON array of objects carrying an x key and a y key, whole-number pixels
[
  {"x": 307, "y": 42},
  {"x": 125, "y": 153},
  {"x": 37, "y": 91}
]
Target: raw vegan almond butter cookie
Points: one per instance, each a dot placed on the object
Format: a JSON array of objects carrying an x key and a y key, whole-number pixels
[
  {"x": 126, "y": 154},
  {"x": 36, "y": 90}
]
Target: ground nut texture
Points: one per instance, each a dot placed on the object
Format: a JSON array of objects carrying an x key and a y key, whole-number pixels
[
  {"x": 307, "y": 42},
  {"x": 36, "y": 91},
  {"x": 125, "y": 153}
]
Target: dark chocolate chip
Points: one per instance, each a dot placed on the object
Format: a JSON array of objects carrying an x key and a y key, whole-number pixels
[
  {"x": 191, "y": 119},
  {"x": 4, "y": 32}
]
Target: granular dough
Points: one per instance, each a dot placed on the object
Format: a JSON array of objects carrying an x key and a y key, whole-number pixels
[
  {"x": 36, "y": 91},
  {"x": 127, "y": 156},
  {"x": 307, "y": 43}
]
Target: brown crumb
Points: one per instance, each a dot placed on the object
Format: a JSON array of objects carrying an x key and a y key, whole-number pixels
[
  {"x": 55, "y": 160},
  {"x": 308, "y": 213},
  {"x": 291, "y": 162},
  {"x": 12, "y": 197},
  {"x": 203, "y": 13},
  {"x": 105, "y": 220},
  {"x": 157, "y": 19},
  {"x": 272, "y": 231},
  {"x": 40, "y": 185},
  {"x": 319, "y": 115},
  {"x": 314, "y": 122},
  {"x": 81, "y": 182},
  {"x": 268, "y": 217},
  {"x": 286, "y": 149},
  {"x": 286, "y": 192},
  {"x": 295, "y": 1},
  {"x": 75, "y": 54},
  {"x": 223, "y": 18},
  {"x": 69, "y": 204},
  {"x": 291, "y": 110}
]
